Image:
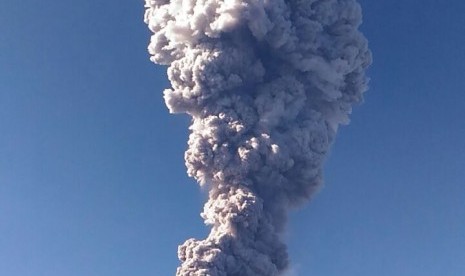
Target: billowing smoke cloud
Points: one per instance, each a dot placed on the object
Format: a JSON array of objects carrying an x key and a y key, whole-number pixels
[{"x": 267, "y": 83}]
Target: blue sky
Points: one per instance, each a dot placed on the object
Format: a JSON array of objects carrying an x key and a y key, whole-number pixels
[{"x": 92, "y": 178}]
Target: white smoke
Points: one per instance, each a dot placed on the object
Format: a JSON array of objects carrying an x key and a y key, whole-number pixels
[{"x": 267, "y": 83}]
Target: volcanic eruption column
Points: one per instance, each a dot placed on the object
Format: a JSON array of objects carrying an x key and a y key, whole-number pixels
[{"x": 267, "y": 83}]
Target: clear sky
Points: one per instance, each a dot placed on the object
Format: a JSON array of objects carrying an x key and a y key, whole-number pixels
[{"x": 92, "y": 177}]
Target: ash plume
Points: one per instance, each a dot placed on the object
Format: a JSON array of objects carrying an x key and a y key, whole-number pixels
[{"x": 267, "y": 83}]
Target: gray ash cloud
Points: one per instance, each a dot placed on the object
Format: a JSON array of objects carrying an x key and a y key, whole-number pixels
[{"x": 267, "y": 83}]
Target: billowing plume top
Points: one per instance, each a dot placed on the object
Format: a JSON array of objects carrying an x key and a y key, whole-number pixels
[{"x": 267, "y": 84}]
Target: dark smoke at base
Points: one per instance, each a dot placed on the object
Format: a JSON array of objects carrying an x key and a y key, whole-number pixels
[{"x": 267, "y": 84}]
